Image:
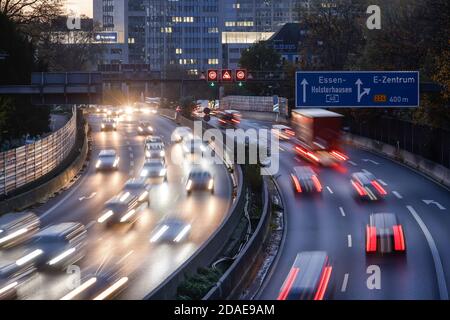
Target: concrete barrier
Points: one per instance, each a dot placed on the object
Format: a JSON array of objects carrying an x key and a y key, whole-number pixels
[
  {"x": 431, "y": 169},
  {"x": 46, "y": 189},
  {"x": 240, "y": 273}
]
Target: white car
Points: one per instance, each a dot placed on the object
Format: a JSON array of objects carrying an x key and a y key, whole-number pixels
[
  {"x": 107, "y": 160},
  {"x": 154, "y": 168},
  {"x": 182, "y": 133}
]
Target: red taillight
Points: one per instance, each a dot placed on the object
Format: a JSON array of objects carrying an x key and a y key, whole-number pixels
[
  {"x": 399, "y": 238},
  {"x": 371, "y": 239},
  {"x": 339, "y": 155},
  {"x": 307, "y": 153},
  {"x": 223, "y": 121},
  {"x": 378, "y": 187},
  {"x": 359, "y": 188},
  {"x": 317, "y": 183},
  {"x": 288, "y": 284},
  {"x": 235, "y": 120},
  {"x": 290, "y": 132},
  {"x": 323, "y": 284},
  {"x": 296, "y": 183}
]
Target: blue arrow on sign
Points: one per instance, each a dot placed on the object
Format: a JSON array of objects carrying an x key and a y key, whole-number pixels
[{"x": 364, "y": 89}]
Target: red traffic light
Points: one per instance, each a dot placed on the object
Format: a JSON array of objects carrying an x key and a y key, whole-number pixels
[
  {"x": 227, "y": 75},
  {"x": 212, "y": 75},
  {"x": 241, "y": 75}
]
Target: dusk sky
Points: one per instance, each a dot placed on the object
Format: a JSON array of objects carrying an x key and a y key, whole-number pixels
[{"x": 84, "y": 5}]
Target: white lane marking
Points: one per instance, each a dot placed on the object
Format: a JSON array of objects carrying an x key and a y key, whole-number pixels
[
  {"x": 329, "y": 190},
  {"x": 90, "y": 224},
  {"x": 349, "y": 240},
  {"x": 352, "y": 163},
  {"x": 382, "y": 182},
  {"x": 371, "y": 161},
  {"x": 93, "y": 194},
  {"x": 398, "y": 195},
  {"x": 281, "y": 149},
  {"x": 344, "y": 283},
  {"x": 437, "y": 204},
  {"x": 342, "y": 211},
  {"x": 434, "y": 252}
]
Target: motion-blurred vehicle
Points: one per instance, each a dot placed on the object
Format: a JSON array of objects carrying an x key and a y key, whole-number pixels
[
  {"x": 228, "y": 118},
  {"x": 283, "y": 132},
  {"x": 12, "y": 276},
  {"x": 16, "y": 228},
  {"x": 124, "y": 208},
  {"x": 384, "y": 234},
  {"x": 171, "y": 230},
  {"x": 154, "y": 168},
  {"x": 308, "y": 278},
  {"x": 107, "y": 160},
  {"x": 199, "y": 179},
  {"x": 109, "y": 125},
  {"x": 153, "y": 140},
  {"x": 194, "y": 147},
  {"x": 145, "y": 128},
  {"x": 103, "y": 285},
  {"x": 138, "y": 187},
  {"x": 367, "y": 186},
  {"x": 182, "y": 133},
  {"x": 305, "y": 179},
  {"x": 318, "y": 134},
  {"x": 57, "y": 246},
  {"x": 155, "y": 151}
]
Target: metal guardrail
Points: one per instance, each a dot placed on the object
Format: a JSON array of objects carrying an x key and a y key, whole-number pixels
[{"x": 23, "y": 165}]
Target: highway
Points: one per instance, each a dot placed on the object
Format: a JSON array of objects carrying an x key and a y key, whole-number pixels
[
  {"x": 146, "y": 264},
  {"x": 335, "y": 221}
]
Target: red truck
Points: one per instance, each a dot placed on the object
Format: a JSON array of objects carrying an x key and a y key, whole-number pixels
[{"x": 318, "y": 135}]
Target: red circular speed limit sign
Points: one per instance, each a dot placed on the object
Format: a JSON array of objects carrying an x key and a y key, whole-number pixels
[{"x": 212, "y": 75}]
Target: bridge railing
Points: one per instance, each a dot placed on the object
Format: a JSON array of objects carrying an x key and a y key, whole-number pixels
[{"x": 23, "y": 165}]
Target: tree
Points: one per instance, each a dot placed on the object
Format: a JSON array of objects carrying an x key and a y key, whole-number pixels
[{"x": 28, "y": 12}]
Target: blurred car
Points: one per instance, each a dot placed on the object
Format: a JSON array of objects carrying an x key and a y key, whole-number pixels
[
  {"x": 16, "y": 228},
  {"x": 228, "y": 118},
  {"x": 283, "y": 132},
  {"x": 107, "y": 160},
  {"x": 12, "y": 276},
  {"x": 139, "y": 188},
  {"x": 194, "y": 146},
  {"x": 57, "y": 246},
  {"x": 109, "y": 125},
  {"x": 145, "y": 128},
  {"x": 123, "y": 208},
  {"x": 384, "y": 234},
  {"x": 104, "y": 285},
  {"x": 154, "y": 140},
  {"x": 305, "y": 180},
  {"x": 367, "y": 186},
  {"x": 308, "y": 278},
  {"x": 155, "y": 151},
  {"x": 182, "y": 133},
  {"x": 171, "y": 230},
  {"x": 199, "y": 180},
  {"x": 154, "y": 168}
]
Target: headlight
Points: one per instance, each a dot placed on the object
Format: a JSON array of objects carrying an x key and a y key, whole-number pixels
[
  {"x": 143, "y": 196},
  {"x": 146, "y": 111},
  {"x": 98, "y": 164},
  {"x": 162, "y": 153},
  {"x": 144, "y": 173},
  {"x": 211, "y": 184},
  {"x": 163, "y": 172},
  {"x": 103, "y": 126},
  {"x": 61, "y": 256},
  {"x": 150, "y": 129},
  {"x": 116, "y": 162},
  {"x": 189, "y": 185},
  {"x": 140, "y": 129},
  {"x": 203, "y": 148},
  {"x": 147, "y": 154},
  {"x": 13, "y": 235},
  {"x": 114, "y": 125},
  {"x": 105, "y": 216},
  {"x": 128, "y": 215}
]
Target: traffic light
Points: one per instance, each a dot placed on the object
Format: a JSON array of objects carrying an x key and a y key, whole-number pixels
[{"x": 212, "y": 77}]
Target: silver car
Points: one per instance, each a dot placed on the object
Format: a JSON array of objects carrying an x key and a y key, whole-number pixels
[
  {"x": 107, "y": 160},
  {"x": 200, "y": 180},
  {"x": 171, "y": 230},
  {"x": 154, "y": 168},
  {"x": 155, "y": 151}
]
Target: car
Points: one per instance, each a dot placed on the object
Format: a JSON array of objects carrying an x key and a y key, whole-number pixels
[
  {"x": 145, "y": 128},
  {"x": 182, "y": 134},
  {"x": 228, "y": 118},
  {"x": 171, "y": 230},
  {"x": 154, "y": 168},
  {"x": 155, "y": 151},
  {"x": 57, "y": 246},
  {"x": 199, "y": 180},
  {"x": 124, "y": 208},
  {"x": 308, "y": 278},
  {"x": 283, "y": 132},
  {"x": 154, "y": 140},
  {"x": 367, "y": 186},
  {"x": 107, "y": 160},
  {"x": 12, "y": 277},
  {"x": 139, "y": 188},
  {"x": 109, "y": 125},
  {"x": 104, "y": 285},
  {"x": 195, "y": 147},
  {"x": 16, "y": 228},
  {"x": 304, "y": 179},
  {"x": 384, "y": 234}
]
